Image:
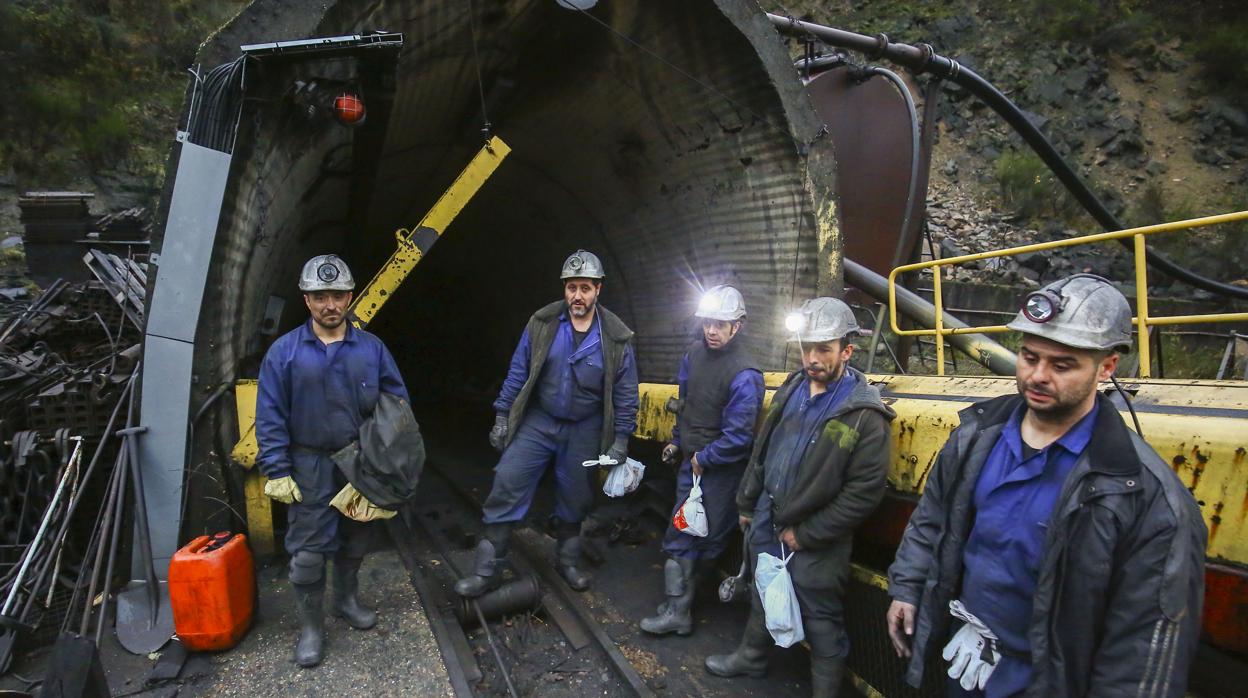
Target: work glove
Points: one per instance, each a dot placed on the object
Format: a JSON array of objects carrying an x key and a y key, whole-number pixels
[
  {"x": 283, "y": 489},
  {"x": 498, "y": 433},
  {"x": 671, "y": 454},
  {"x": 618, "y": 452},
  {"x": 354, "y": 505},
  {"x": 972, "y": 653}
]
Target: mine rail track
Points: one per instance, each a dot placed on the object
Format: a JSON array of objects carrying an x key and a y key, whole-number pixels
[{"x": 562, "y": 605}]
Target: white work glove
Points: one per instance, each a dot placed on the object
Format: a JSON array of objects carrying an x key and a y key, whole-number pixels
[
  {"x": 972, "y": 653},
  {"x": 283, "y": 489}
]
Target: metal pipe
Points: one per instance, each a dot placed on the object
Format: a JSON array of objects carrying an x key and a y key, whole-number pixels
[
  {"x": 923, "y": 58},
  {"x": 979, "y": 347}
]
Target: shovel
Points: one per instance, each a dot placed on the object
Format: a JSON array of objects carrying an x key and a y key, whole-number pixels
[{"x": 144, "y": 615}]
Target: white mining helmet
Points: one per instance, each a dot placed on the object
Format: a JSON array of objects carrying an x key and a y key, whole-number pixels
[
  {"x": 821, "y": 320},
  {"x": 1083, "y": 311},
  {"x": 723, "y": 303},
  {"x": 326, "y": 272}
]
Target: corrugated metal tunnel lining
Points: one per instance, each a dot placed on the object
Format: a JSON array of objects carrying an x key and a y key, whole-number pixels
[{"x": 614, "y": 150}]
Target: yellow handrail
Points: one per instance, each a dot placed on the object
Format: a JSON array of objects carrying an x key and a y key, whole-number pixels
[{"x": 1142, "y": 320}]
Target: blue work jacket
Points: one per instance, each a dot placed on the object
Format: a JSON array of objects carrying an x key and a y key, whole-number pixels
[
  {"x": 1014, "y": 499},
  {"x": 570, "y": 384},
  {"x": 316, "y": 395},
  {"x": 736, "y": 439}
]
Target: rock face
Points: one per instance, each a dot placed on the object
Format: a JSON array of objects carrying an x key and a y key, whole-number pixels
[{"x": 1132, "y": 114}]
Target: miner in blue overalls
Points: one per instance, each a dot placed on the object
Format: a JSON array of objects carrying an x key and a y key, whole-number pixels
[
  {"x": 570, "y": 396},
  {"x": 720, "y": 394},
  {"x": 318, "y": 383}
]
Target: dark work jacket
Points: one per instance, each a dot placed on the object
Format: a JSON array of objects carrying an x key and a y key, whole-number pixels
[
  {"x": 385, "y": 462},
  {"x": 620, "y": 398},
  {"x": 707, "y": 391},
  {"x": 1121, "y": 583},
  {"x": 839, "y": 481}
]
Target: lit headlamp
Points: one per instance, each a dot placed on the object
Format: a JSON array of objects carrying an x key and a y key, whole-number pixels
[
  {"x": 709, "y": 303},
  {"x": 1042, "y": 306},
  {"x": 795, "y": 322}
]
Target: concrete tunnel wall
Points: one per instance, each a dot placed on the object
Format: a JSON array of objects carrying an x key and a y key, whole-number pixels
[{"x": 613, "y": 150}]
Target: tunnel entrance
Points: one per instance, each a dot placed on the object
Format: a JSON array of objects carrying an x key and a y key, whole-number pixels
[{"x": 671, "y": 139}]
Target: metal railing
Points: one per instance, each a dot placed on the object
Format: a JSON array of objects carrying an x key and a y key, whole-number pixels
[{"x": 1142, "y": 320}]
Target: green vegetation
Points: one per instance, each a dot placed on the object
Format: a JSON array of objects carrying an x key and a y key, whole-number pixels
[
  {"x": 1220, "y": 252},
  {"x": 88, "y": 82},
  {"x": 1030, "y": 188}
]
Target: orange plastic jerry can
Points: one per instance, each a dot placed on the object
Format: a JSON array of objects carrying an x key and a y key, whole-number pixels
[{"x": 212, "y": 587}]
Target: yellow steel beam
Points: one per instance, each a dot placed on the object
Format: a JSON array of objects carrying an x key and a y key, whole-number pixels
[
  {"x": 1199, "y": 427},
  {"x": 414, "y": 244},
  {"x": 247, "y": 448}
]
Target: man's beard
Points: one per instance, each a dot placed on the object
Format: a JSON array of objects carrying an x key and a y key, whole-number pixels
[
  {"x": 1059, "y": 406},
  {"x": 333, "y": 324},
  {"x": 826, "y": 375},
  {"x": 582, "y": 310}
]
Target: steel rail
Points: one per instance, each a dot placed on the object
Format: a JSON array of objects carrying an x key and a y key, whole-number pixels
[{"x": 622, "y": 666}]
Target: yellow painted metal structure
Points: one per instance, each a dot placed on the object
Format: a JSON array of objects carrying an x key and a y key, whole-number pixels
[
  {"x": 1200, "y": 427},
  {"x": 411, "y": 247},
  {"x": 412, "y": 244},
  {"x": 259, "y": 508},
  {"x": 1142, "y": 320}
]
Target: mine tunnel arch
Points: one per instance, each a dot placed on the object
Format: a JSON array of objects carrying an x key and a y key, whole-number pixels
[{"x": 676, "y": 183}]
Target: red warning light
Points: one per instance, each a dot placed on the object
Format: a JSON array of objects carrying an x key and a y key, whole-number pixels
[{"x": 349, "y": 109}]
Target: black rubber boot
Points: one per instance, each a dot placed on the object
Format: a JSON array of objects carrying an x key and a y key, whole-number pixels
[
  {"x": 310, "y": 648},
  {"x": 346, "y": 603},
  {"x": 750, "y": 657},
  {"x": 489, "y": 563},
  {"x": 569, "y": 561},
  {"x": 679, "y": 581},
  {"x": 825, "y": 676}
]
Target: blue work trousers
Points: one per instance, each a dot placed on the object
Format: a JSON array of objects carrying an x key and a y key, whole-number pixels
[
  {"x": 719, "y": 498},
  {"x": 540, "y": 441},
  {"x": 312, "y": 525}
]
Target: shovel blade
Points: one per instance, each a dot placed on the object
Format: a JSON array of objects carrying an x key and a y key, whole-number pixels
[
  {"x": 143, "y": 628},
  {"x": 75, "y": 671}
]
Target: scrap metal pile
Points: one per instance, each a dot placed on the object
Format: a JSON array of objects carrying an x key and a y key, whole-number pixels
[{"x": 67, "y": 363}]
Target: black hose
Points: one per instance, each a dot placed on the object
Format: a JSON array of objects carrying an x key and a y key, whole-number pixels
[{"x": 923, "y": 58}]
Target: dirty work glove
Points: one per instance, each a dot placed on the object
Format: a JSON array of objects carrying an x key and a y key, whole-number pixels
[
  {"x": 618, "y": 451},
  {"x": 284, "y": 490},
  {"x": 498, "y": 433},
  {"x": 671, "y": 453},
  {"x": 353, "y": 505},
  {"x": 972, "y": 653}
]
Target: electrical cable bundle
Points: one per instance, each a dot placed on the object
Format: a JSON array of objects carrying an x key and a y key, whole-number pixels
[{"x": 216, "y": 106}]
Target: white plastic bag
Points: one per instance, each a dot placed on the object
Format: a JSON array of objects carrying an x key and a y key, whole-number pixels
[
  {"x": 775, "y": 588},
  {"x": 623, "y": 478},
  {"x": 690, "y": 518}
]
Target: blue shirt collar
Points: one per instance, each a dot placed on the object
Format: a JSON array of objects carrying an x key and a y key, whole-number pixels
[
  {"x": 1073, "y": 441},
  {"x": 307, "y": 335}
]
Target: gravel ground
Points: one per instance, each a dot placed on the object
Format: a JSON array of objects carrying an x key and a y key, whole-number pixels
[{"x": 399, "y": 657}]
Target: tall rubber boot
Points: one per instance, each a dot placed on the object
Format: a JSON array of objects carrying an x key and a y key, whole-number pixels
[
  {"x": 674, "y": 614},
  {"x": 310, "y": 648},
  {"x": 569, "y": 559},
  {"x": 488, "y": 564},
  {"x": 825, "y": 676},
  {"x": 750, "y": 657},
  {"x": 346, "y": 603}
]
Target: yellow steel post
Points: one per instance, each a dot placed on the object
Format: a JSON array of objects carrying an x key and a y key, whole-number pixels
[
  {"x": 414, "y": 244},
  {"x": 940, "y": 321},
  {"x": 1141, "y": 306}
]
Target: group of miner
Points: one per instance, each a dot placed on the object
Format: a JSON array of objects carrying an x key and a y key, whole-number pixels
[{"x": 1052, "y": 551}]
